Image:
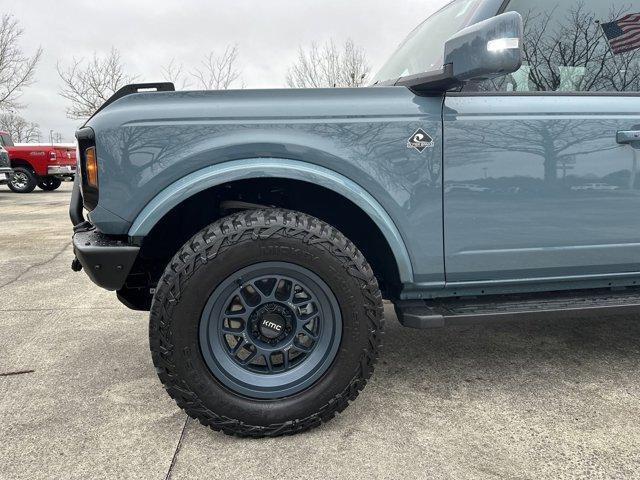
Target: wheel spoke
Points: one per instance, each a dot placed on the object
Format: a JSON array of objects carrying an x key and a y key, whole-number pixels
[
  {"x": 283, "y": 294},
  {"x": 267, "y": 361},
  {"x": 251, "y": 356},
  {"x": 304, "y": 319},
  {"x": 301, "y": 296},
  {"x": 233, "y": 331},
  {"x": 292, "y": 292},
  {"x": 238, "y": 346},
  {"x": 245, "y": 296},
  {"x": 244, "y": 313},
  {"x": 301, "y": 347},
  {"x": 312, "y": 335},
  {"x": 266, "y": 287},
  {"x": 300, "y": 302}
]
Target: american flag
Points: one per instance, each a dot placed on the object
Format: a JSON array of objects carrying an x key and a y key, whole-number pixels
[{"x": 623, "y": 34}]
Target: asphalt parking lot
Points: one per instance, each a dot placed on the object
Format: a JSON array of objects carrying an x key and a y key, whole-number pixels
[{"x": 79, "y": 397}]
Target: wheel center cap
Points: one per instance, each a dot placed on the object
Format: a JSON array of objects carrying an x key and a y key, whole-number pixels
[
  {"x": 272, "y": 325},
  {"x": 272, "y": 322}
]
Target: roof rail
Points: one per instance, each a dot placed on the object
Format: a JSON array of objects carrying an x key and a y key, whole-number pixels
[{"x": 137, "y": 88}]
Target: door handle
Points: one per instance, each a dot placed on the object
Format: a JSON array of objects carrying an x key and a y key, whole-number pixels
[{"x": 628, "y": 136}]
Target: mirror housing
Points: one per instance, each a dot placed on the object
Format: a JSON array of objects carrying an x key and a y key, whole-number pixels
[{"x": 488, "y": 49}]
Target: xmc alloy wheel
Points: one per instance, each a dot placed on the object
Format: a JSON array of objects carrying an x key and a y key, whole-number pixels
[
  {"x": 265, "y": 323},
  {"x": 270, "y": 330}
]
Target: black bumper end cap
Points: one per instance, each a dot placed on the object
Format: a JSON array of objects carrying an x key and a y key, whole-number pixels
[{"x": 107, "y": 261}]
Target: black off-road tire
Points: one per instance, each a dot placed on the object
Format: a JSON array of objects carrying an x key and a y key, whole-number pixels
[
  {"x": 49, "y": 184},
  {"x": 27, "y": 180},
  {"x": 213, "y": 255}
]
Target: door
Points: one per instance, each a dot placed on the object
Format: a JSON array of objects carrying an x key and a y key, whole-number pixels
[{"x": 536, "y": 183}]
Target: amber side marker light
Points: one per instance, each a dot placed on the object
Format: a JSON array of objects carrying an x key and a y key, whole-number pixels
[{"x": 91, "y": 166}]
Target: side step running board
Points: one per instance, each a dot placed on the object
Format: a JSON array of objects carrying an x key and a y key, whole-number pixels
[{"x": 459, "y": 311}]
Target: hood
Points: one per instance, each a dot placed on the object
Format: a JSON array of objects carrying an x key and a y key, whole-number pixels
[{"x": 253, "y": 105}]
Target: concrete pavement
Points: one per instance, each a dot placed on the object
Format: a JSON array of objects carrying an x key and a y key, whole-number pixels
[{"x": 79, "y": 397}]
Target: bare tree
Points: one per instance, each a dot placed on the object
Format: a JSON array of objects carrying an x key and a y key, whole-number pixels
[
  {"x": 570, "y": 53},
  {"x": 55, "y": 137},
  {"x": 576, "y": 42},
  {"x": 173, "y": 72},
  {"x": 21, "y": 130},
  {"x": 218, "y": 72},
  {"x": 329, "y": 66},
  {"x": 87, "y": 85},
  {"x": 16, "y": 68}
]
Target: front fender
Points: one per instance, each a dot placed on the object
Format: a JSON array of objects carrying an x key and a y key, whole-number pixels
[{"x": 230, "y": 171}]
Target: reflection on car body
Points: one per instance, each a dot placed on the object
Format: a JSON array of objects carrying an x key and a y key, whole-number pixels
[
  {"x": 595, "y": 186},
  {"x": 468, "y": 187}
]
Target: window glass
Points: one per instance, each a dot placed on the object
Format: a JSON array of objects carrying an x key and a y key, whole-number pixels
[
  {"x": 575, "y": 46},
  {"x": 423, "y": 49},
  {"x": 5, "y": 140}
]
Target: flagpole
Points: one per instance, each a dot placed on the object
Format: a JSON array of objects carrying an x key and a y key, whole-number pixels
[{"x": 606, "y": 39}]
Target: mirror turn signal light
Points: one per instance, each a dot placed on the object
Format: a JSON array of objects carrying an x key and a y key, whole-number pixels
[
  {"x": 91, "y": 166},
  {"x": 500, "y": 44}
]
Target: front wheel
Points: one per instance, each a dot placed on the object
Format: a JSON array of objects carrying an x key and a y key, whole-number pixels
[
  {"x": 22, "y": 180},
  {"x": 49, "y": 184},
  {"x": 266, "y": 323}
]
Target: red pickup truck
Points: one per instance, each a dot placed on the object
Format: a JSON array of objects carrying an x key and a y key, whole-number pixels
[{"x": 39, "y": 164}]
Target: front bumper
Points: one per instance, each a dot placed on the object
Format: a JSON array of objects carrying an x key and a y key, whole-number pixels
[
  {"x": 5, "y": 173},
  {"x": 61, "y": 170},
  {"x": 106, "y": 260}
]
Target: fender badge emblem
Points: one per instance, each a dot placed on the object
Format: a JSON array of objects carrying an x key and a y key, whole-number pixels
[{"x": 420, "y": 140}]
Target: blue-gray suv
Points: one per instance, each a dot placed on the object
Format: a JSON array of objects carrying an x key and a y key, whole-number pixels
[{"x": 489, "y": 171}]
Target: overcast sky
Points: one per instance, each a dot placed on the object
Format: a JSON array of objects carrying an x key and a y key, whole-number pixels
[{"x": 149, "y": 33}]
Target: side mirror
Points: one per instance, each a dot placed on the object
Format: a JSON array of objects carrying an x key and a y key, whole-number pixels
[{"x": 488, "y": 49}]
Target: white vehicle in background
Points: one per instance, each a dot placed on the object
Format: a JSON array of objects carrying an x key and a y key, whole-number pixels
[
  {"x": 465, "y": 187},
  {"x": 595, "y": 186},
  {"x": 5, "y": 167}
]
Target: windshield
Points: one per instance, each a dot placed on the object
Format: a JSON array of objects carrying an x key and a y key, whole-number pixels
[
  {"x": 5, "y": 140},
  {"x": 423, "y": 49}
]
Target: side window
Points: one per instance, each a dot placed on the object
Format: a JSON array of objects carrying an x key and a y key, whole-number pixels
[{"x": 575, "y": 46}]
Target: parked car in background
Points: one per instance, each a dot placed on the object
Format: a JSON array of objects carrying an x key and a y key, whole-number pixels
[
  {"x": 595, "y": 186},
  {"x": 263, "y": 228},
  {"x": 5, "y": 166},
  {"x": 466, "y": 187},
  {"x": 42, "y": 165}
]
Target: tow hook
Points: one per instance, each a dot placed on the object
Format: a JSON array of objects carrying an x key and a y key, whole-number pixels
[{"x": 76, "y": 266}]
